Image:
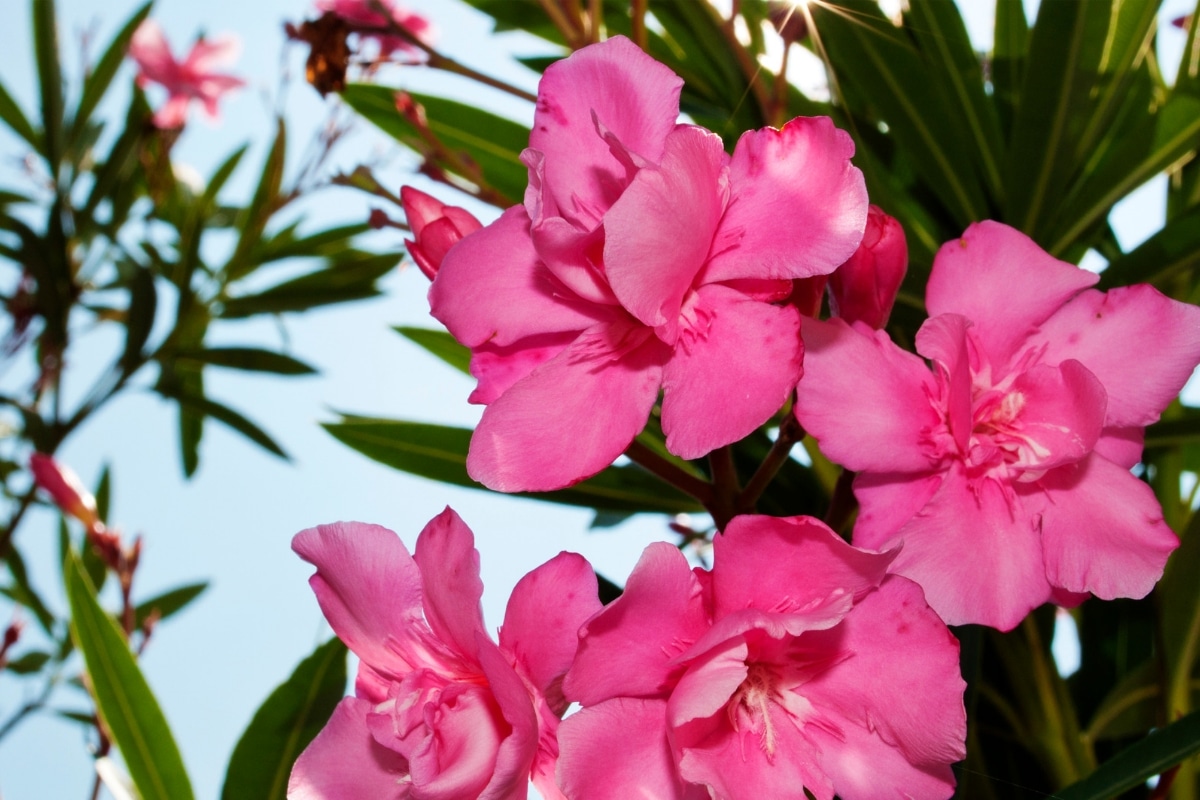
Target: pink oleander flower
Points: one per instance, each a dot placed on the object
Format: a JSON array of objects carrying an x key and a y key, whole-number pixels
[
  {"x": 194, "y": 78},
  {"x": 367, "y": 13},
  {"x": 65, "y": 489},
  {"x": 796, "y": 664},
  {"x": 865, "y": 287},
  {"x": 1005, "y": 469},
  {"x": 436, "y": 227},
  {"x": 440, "y": 710},
  {"x": 644, "y": 258}
]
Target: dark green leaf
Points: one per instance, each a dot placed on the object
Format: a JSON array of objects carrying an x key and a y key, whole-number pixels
[
  {"x": 494, "y": 144},
  {"x": 50, "y": 79},
  {"x": 284, "y": 725},
  {"x": 252, "y": 220},
  {"x": 22, "y": 591},
  {"x": 139, "y": 318},
  {"x": 439, "y": 453},
  {"x": 98, "y": 81},
  {"x": 332, "y": 243},
  {"x": 1009, "y": 53},
  {"x": 1173, "y": 251},
  {"x": 440, "y": 344},
  {"x": 1161, "y": 750},
  {"x": 204, "y": 407},
  {"x": 222, "y": 175},
  {"x": 28, "y": 663},
  {"x": 123, "y": 698},
  {"x": 252, "y": 359},
  {"x": 104, "y": 493},
  {"x": 168, "y": 603},
  {"x": 15, "y": 118},
  {"x": 342, "y": 282}
]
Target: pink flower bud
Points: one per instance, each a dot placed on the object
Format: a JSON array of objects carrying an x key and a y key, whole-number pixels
[
  {"x": 864, "y": 288},
  {"x": 436, "y": 228},
  {"x": 65, "y": 489}
]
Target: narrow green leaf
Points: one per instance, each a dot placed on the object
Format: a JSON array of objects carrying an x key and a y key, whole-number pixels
[
  {"x": 123, "y": 698},
  {"x": 284, "y": 724},
  {"x": 22, "y": 590},
  {"x": 168, "y": 603},
  {"x": 345, "y": 280},
  {"x": 204, "y": 407},
  {"x": 439, "y": 453},
  {"x": 493, "y": 143},
  {"x": 1174, "y": 250},
  {"x": 1161, "y": 750},
  {"x": 331, "y": 243},
  {"x": 101, "y": 77},
  {"x": 222, "y": 174},
  {"x": 440, "y": 344},
  {"x": 15, "y": 118},
  {"x": 1009, "y": 53},
  {"x": 252, "y": 359},
  {"x": 252, "y": 220},
  {"x": 28, "y": 663},
  {"x": 1174, "y": 432},
  {"x": 50, "y": 79},
  {"x": 139, "y": 318}
]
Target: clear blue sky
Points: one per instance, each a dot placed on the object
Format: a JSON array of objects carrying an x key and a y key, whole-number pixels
[{"x": 232, "y": 524}]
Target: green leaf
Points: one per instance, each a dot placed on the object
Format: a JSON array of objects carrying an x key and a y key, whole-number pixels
[
  {"x": 204, "y": 407},
  {"x": 345, "y": 280},
  {"x": 284, "y": 724},
  {"x": 440, "y": 344},
  {"x": 100, "y": 79},
  {"x": 493, "y": 143},
  {"x": 252, "y": 220},
  {"x": 439, "y": 452},
  {"x": 28, "y": 663},
  {"x": 22, "y": 591},
  {"x": 15, "y": 118},
  {"x": 331, "y": 243},
  {"x": 1009, "y": 53},
  {"x": 168, "y": 603},
  {"x": 252, "y": 359},
  {"x": 123, "y": 698},
  {"x": 139, "y": 318},
  {"x": 50, "y": 79},
  {"x": 1173, "y": 251},
  {"x": 1161, "y": 750}
]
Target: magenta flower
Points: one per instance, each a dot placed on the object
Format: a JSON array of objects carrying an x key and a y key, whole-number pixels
[
  {"x": 1005, "y": 470},
  {"x": 366, "y": 13},
  {"x": 194, "y": 78},
  {"x": 643, "y": 259},
  {"x": 441, "y": 711},
  {"x": 796, "y": 663},
  {"x": 436, "y": 227},
  {"x": 865, "y": 287}
]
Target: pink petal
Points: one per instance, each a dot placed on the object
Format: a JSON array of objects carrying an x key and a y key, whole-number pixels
[
  {"x": 631, "y": 94},
  {"x": 541, "y": 624},
  {"x": 976, "y": 552},
  {"x": 456, "y": 753},
  {"x": 658, "y": 233},
  {"x": 572, "y": 416},
  {"x": 865, "y": 399},
  {"x": 150, "y": 50},
  {"x": 321, "y": 772},
  {"x": 1062, "y": 415},
  {"x": 173, "y": 113},
  {"x": 1122, "y": 446},
  {"x": 886, "y": 502},
  {"x": 943, "y": 340},
  {"x": 208, "y": 54},
  {"x": 491, "y": 287},
  {"x": 510, "y": 781},
  {"x": 1109, "y": 333},
  {"x": 791, "y": 565},
  {"x": 575, "y": 257},
  {"x": 1102, "y": 530},
  {"x": 864, "y": 288},
  {"x": 713, "y": 394},
  {"x": 709, "y": 683},
  {"x": 989, "y": 262},
  {"x": 914, "y": 703},
  {"x": 449, "y": 565},
  {"x": 368, "y": 586},
  {"x": 618, "y": 750},
  {"x": 628, "y": 648},
  {"x": 498, "y": 368},
  {"x": 798, "y": 207}
]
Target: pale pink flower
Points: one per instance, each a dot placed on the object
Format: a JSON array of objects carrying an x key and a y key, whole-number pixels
[
  {"x": 193, "y": 78},
  {"x": 440, "y": 710},
  {"x": 436, "y": 227},
  {"x": 1005, "y": 471},
  {"x": 367, "y": 13},
  {"x": 65, "y": 489},
  {"x": 796, "y": 664},
  {"x": 865, "y": 287},
  {"x": 644, "y": 258}
]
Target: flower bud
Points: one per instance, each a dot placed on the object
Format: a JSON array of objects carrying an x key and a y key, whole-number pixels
[
  {"x": 65, "y": 489},
  {"x": 436, "y": 228},
  {"x": 864, "y": 288}
]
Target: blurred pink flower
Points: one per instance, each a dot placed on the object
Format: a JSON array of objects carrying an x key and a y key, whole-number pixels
[
  {"x": 796, "y": 664},
  {"x": 440, "y": 710},
  {"x": 436, "y": 227},
  {"x": 194, "y": 78},
  {"x": 65, "y": 489},
  {"x": 366, "y": 13},
  {"x": 864, "y": 288},
  {"x": 1005, "y": 471},
  {"x": 644, "y": 258}
]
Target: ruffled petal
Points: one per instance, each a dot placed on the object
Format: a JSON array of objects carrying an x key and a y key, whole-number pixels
[
  {"x": 322, "y": 772},
  {"x": 943, "y": 340},
  {"x": 713, "y": 394},
  {"x": 631, "y": 94},
  {"x": 572, "y": 416},
  {"x": 497, "y": 368},
  {"x": 1122, "y": 446},
  {"x": 658, "y": 233},
  {"x": 1061, "y": 417},
  {"x": 1108, "y": 334},
  {"x": 798, "y": 207},
  {"x": 865, "y": 400},
  {"x": 541, "y": 624},
  {"x": 1102, "y": 530},
  {"x": 618, "y": 750},
  {"x": 449, "y": 566},
  {"x": 629, "y": 648},
  {"x": 491, "y": 287},
  {"x": 990, "y": 259},
  {"x": 515, "y": 756}
]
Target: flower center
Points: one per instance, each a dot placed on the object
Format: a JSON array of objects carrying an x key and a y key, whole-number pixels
[{"x": 750, "y": 705}]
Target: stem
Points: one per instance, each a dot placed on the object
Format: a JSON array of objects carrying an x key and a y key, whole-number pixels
[
  {"x": 790, "y": 432},
  {"x": 439, "y": 61},
  {"x": 561, "y": 22},
  {"x": 751, "y": 70},
  {"x": 1061, "y": 742},
  {"x": 725, "y": 486},
  {"x": 671, "y": 473},
  {"x": 841, "y": 504},
  {"x": 637, "y": 13},
  {"x": 6, "y": 535}
]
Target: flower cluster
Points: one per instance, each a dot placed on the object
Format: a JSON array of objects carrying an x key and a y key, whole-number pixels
[
  {"x": 649, "y": 269},
  {"x": 193, "y": 78}
]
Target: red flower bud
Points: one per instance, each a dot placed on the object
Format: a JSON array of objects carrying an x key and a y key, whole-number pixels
[
  {"x": 65, "y": 489},
  {"x": 864, "y": 288},
  {"x": 436, "y": 228}
]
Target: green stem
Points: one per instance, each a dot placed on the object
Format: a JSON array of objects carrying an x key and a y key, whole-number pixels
[
  {"x": 671, "y": 473},
  {"x": 1061, "y": 743},
  {"x": 725, "y": 487}
]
